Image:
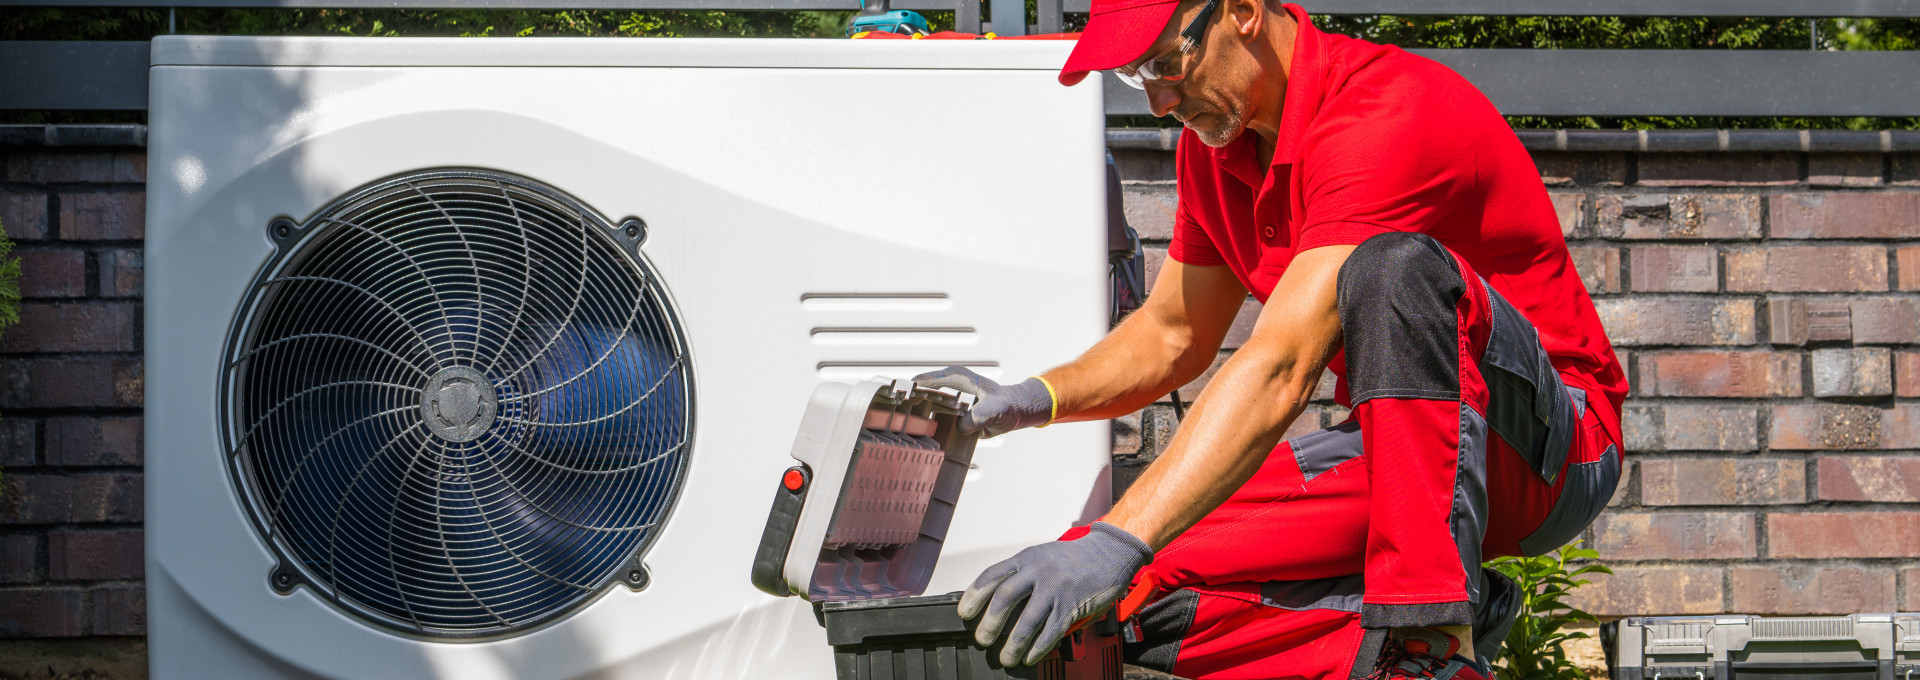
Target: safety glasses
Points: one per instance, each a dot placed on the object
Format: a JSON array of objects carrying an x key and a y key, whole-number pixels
[{"x": 1169, "y": 66}]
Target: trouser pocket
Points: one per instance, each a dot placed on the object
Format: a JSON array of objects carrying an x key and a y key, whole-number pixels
[{"x": 1527, "y": 404}]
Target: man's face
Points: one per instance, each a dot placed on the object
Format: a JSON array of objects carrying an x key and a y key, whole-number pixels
[{"x": 1212, "y": 99}]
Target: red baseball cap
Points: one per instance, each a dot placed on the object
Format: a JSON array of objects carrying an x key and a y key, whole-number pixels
[{"x": 1118, "y": 32}]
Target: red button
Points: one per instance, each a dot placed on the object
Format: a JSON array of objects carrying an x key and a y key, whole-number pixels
[
  {"x": 792, "y": 480},
  {"x": 1268, "y": 231}
]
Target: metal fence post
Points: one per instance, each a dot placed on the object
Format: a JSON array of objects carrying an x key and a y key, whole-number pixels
[
  {"x": 1009, "y": 17},
  {"x": 1053, "y": 17},
  {"x": 966, "y": 16}
]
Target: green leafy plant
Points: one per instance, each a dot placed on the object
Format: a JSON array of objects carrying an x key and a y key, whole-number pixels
[
  {"x": 9, "y": 284},
  {"x": 1535, "y": 648}
]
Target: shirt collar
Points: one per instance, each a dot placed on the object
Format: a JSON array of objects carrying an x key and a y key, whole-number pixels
[{"x": 1304, "y": 85}]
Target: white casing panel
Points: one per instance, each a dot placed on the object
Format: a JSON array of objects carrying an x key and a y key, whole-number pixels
[{"x": 791, "y": 189}]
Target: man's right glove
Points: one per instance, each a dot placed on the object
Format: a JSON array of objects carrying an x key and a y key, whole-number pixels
[
  {"x": 1060, "y": 583},
  {"x": 997, "y": 409}
]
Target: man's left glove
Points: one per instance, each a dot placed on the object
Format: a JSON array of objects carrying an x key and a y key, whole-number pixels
[
  {"x": 997, "y": 409},
  {"x": 1062, "y": 582}
]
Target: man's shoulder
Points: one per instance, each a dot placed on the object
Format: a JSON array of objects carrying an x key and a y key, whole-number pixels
[
  {"x": 1353, "y": 63},
  {"x": 1395, "y": 102}
]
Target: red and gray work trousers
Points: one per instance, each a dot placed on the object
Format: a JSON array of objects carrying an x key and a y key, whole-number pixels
[{"x": 1465, "y": 443}]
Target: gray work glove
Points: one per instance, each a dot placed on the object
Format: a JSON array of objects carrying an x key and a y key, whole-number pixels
[
  {"x": 998, "y": 408},
  {"x": 1062, "y": 582}
]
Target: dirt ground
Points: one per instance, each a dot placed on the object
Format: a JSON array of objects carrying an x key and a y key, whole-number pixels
[{"x": 1587, "y": 654}]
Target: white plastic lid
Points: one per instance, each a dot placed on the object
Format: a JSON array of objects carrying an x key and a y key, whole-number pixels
[{"x": 887, "y": 463}]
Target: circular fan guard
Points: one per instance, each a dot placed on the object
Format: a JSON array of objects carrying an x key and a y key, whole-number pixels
[{"x": 459, "y": 408}]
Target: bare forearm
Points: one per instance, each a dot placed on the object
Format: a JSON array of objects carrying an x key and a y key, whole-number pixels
[
  {"x": 1246, "y": 409},
  {"x": 1226, "y": 436},
  {"x": 1167, "y": 343},
  {"x": 1142, "y": 360}
]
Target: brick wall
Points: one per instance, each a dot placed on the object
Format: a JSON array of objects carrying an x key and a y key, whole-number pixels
[
  {"x": 71, "y": 558},
  {"x": 1765, "y": 307}
]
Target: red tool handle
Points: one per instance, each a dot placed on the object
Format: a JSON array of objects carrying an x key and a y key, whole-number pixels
[{"x": 1137, "y": 597}]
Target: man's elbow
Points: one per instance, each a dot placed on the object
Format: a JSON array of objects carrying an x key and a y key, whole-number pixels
[
  {"x": 1189, "y": 357},
  {"x": 1189, "y": 365},
  {"x": 1284, "y": 377}
]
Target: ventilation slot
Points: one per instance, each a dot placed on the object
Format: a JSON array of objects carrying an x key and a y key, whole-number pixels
[
  {"x": 875, "y": 302},
  {"x": 850, "y": 371},
  {"x": 1834, "y": 628},
  {"x": 897, "y": 336}
]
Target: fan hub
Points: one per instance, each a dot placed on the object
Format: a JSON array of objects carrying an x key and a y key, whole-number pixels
[{"x": 458, "y": 404}]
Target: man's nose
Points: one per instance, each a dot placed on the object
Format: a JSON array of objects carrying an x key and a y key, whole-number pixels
[{"x": 1162, "y": 99}]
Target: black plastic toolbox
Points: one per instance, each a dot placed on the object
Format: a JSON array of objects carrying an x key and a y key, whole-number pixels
[
  {"x": 857, "y": 526},
  {"x": 924, "y": 637},
  {"x": 1730, "y": 646}
]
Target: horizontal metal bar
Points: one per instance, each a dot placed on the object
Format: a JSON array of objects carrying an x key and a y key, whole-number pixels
[
  {"x": 1691, "y": 82},
  {"x": 1669, "y": 82},
  {"x": 1639, "y": 8},
  {"x": 1164, "y": 139},
  {"x": 96, "y": 136},
  {"x": 1635, "y": 141},
  {"x": 73, "y": 75},
  {"x": 1684, "y": 141}
]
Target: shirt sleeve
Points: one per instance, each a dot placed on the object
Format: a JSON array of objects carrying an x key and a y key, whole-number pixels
[
  {"x": 1372, "y": 174},
  {"x": 1191, "y": 244}
]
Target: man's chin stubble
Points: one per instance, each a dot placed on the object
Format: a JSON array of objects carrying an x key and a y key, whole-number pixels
[{"x": 1216, "y": 130}]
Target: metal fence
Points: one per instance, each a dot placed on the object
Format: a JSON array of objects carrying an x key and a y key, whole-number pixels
[{"x": 75, "y": 75}]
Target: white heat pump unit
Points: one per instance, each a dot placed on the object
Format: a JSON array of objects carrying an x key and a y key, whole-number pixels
[{"x": 480, "y": 358}]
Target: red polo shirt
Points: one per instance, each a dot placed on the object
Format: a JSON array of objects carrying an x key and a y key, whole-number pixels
[{"x": 1373, "y": 140}]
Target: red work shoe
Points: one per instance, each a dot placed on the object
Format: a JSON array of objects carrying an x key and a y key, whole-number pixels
[{"x": 1424, "y": 653}]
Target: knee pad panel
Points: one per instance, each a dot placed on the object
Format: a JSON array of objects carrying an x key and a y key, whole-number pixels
[{"x": 1398, "y": 299}]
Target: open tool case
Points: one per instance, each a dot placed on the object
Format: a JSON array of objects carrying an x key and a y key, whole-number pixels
[{"x": 857, "y": 526}]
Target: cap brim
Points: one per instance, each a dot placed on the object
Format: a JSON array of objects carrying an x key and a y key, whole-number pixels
[{"x": 1116, "y": 38}]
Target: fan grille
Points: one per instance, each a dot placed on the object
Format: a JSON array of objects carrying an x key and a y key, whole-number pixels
[{"x": 459, "y": 407}]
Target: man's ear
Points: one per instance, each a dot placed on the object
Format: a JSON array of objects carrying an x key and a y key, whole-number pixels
[{"x": 1249, "y": 17}]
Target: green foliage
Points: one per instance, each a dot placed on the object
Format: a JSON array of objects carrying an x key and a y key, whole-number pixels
[
  {"x": 141, "y": 24},
  {"x": 1639, "y": 33},
  {"x": 60, "y": 23},
  {"x": 1535, "y": 646},
  {"x": 9, "y": 284}
]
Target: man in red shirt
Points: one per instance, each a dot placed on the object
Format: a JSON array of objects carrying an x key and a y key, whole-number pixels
[{"x": 1398, "y": 234}]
